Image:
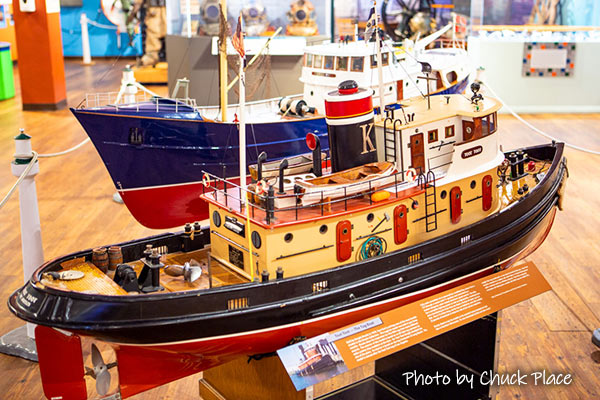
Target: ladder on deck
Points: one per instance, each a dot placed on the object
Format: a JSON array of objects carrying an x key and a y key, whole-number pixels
[
  {"x": 389, "y": 140},
  {"x": 430, "y": 202}
]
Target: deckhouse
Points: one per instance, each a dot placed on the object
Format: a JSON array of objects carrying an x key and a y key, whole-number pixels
[{"x": 326, "y": 65}]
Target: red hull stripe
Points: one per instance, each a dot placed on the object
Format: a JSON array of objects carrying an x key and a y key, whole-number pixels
[{"x": 348, "y": 109}]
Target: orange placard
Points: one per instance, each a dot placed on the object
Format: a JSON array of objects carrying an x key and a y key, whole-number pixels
[{"x": 413, "y": 323}]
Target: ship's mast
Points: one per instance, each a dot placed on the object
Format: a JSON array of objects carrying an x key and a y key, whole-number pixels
[
  {"x": 223, "y": 64},
  {"x": 379, "y": 65}
]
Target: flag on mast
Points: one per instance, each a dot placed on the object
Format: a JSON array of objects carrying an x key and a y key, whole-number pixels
[
  {"x": 238, "y": 39},
  {"x": 371, "y": 23}
]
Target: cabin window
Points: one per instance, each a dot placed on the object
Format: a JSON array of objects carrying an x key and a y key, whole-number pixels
[
  {"x": 488, "y": 124},
  {"x": 308, "y": 60},
  {"x": 341, "y": 63},
  {"x": 452, "y": 77},
  {"x": 373, "y": 61},
  {"x": 328, "y": 62},
  {"x": 320, "y": 286},
  {"x": 433, "y": 136},
  {"x": 357, "y": 64},
  {"x": 318, "y": 61},
  {"x": 385, "y": 59},
  {"x": 450, "y": 131}
]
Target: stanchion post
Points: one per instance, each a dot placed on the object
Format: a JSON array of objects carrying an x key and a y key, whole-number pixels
[
  {"x": 85, "y": 40},
  {"x": 31, "y": 234},
  {"x": 21, "y": 341}
]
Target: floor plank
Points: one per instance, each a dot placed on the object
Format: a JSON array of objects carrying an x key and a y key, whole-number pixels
[{"x": 77, "y": 211}]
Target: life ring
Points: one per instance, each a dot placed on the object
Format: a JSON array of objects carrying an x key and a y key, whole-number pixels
[
  {"x": 261, "y": 187},
  {"x": 206, "y": 180},
  {"x": 410, "y": 175}
]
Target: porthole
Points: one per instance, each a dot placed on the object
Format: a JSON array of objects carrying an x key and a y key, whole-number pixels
[
  {"x": 488, "y": 182},
  {"x": 391, "y": 89},
  {"x": 217, "y": 219},
  {"x": 345, "y": 231},
  {"x": 256, "y": 240},
  {"x": 312, "y": 93},
  {"x": 370, "y": 217},
  {"x": 288, "y": 237},
  {"x": 323, "y": 229},
  {"x": 443, "y": 194},
  {"x": 473, "y": 184},
  {"x": 287, "y": 180}
]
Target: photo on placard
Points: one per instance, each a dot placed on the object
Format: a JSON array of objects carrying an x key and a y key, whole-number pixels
[{"x": 312, "y": 361}]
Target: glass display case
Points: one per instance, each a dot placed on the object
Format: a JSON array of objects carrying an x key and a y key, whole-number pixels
[{"x": 261, "y": 17}]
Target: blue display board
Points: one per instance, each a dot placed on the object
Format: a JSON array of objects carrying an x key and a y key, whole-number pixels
[{"x": 103, "y": 42}]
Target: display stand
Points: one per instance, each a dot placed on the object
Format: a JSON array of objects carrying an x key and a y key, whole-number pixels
[{"x": 450, "y": 353}]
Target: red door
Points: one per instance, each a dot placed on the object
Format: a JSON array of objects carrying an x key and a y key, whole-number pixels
[
  {"x": 400, "y": 225},
  {"x": 486, "y": 192},
  {"x": 417, "y": 152},
  {"x": 400, "y": 90},
  {"x": 344, "y": 240},
  {"x": 455, "y": 204}
]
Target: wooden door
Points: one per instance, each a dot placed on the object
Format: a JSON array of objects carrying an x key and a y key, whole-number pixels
[
  {"x": 468, "y": 130},
  {"x": 399, "y": 90},
  {"x": 417, "y": 152}
]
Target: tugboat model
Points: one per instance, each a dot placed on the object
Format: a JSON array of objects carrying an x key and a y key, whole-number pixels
[
  {"x": 412, "y": 205},
  {"x": 155, "y": 150}
]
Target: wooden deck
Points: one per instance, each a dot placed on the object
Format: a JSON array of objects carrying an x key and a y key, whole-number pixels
[{"x": 551, "y": 331}]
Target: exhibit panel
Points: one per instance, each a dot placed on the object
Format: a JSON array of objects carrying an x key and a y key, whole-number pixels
[{"x": 307, "y": 200}]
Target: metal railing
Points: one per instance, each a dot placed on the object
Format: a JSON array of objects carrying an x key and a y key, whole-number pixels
[
  {"x": 136, "y": 102},
  {"x": 217, "y": 186}
]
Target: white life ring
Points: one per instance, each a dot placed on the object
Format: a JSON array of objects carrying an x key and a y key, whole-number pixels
[{"x": 410, "y": 175}]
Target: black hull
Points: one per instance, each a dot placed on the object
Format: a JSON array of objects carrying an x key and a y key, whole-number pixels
[{"x": 176, "y": 317}]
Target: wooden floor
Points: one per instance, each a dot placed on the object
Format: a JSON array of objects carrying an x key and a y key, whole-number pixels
[{"x": 550, "y": 332}]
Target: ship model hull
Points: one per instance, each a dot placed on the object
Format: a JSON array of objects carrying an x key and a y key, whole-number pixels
[
  {"x": 177, "y": 334},
  {"x": 156, "y": 159}
]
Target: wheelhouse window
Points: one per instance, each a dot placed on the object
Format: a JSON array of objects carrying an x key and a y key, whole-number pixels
[
  {"x": 341, "y": 63},
  {"x": 308, "y": 60},
  {"x": 357, "y": 64},
  {"x": 450, "y": 131},
  {"x": 373, "y": 61},
  {"x": 432, "y": 136},
  {"x": 452, "y": 77},
  {"x": 488, "y": 124},
  {"x": 385, "y": 59},
  {"x": 318, "y": 61},
  {"x": 328, "y": 64}
]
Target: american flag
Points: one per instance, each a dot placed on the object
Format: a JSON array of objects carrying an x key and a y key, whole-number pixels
[{"x": 238, "y": 39}]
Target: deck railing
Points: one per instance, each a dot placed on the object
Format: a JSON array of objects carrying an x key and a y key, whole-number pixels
[
  {"x": 136, "y": 102},
  {"x": 227, "y": 192}
]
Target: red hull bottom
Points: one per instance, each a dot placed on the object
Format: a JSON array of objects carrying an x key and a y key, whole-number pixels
[{"x": 167, "y": 206}]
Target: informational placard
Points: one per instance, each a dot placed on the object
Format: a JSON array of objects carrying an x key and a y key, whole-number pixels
[{"x": 322, "y": 357}]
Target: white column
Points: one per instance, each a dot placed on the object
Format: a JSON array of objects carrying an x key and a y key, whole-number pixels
[
  {"x": 85, "y": 40},
  {"x": 31, "y": 233}
]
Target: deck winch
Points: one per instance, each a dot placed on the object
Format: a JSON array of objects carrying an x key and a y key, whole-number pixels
[{"x": 350, "y": 125}]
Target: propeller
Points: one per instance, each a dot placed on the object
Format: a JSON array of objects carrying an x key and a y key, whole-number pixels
[
  {"x": 190, "y": 271},
  {"x": 68, "y": 275},
  {"x": 100, "y": 371}
]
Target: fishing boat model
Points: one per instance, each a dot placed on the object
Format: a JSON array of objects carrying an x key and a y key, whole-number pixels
[
  {"x": 156, "y": 149},
  {"x": 274, "y": 274}
]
